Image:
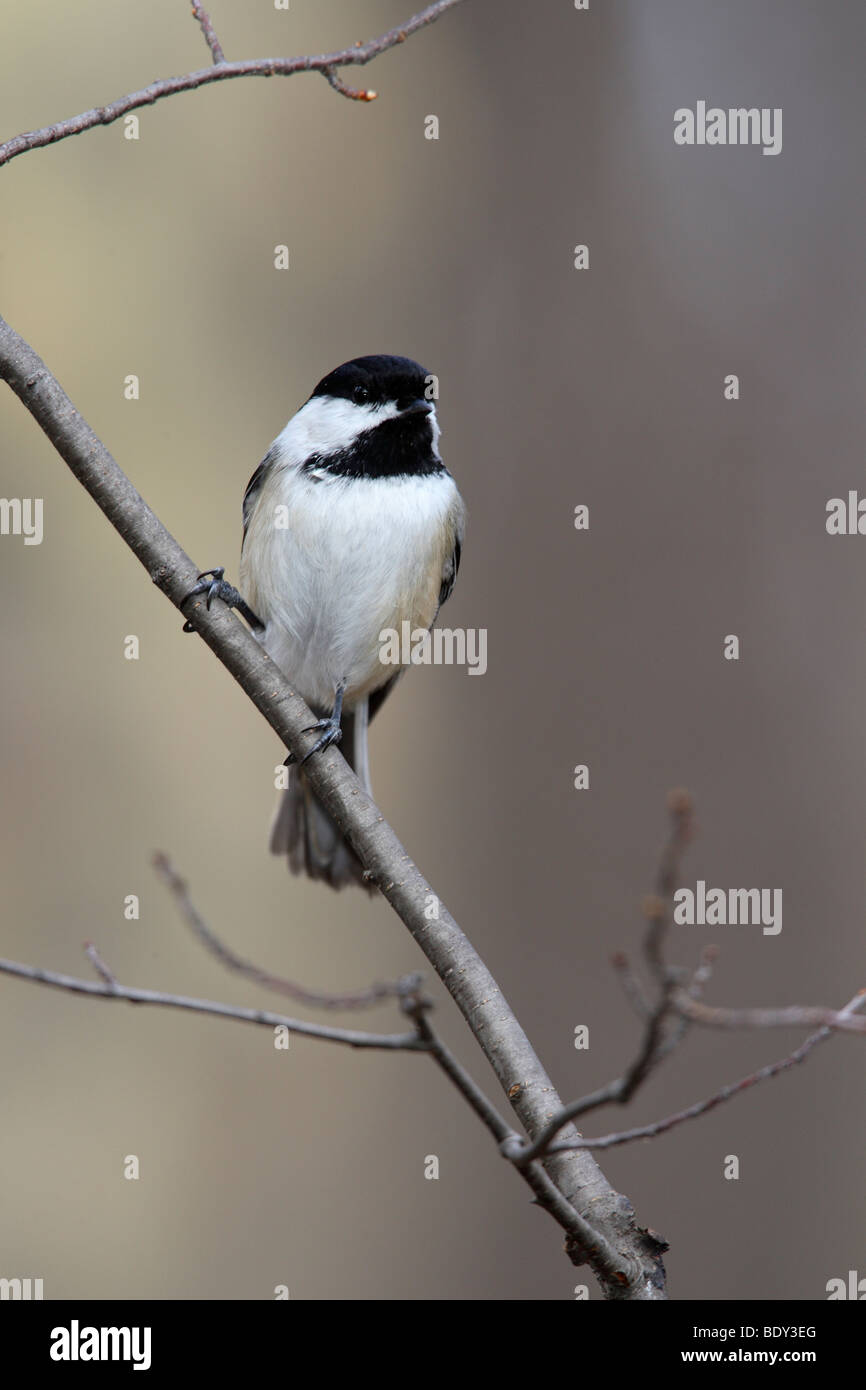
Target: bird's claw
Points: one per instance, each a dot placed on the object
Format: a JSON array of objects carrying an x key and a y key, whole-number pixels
[
  {"x": 332, "y": 733},
  {"x": 330, "y": 726},
  {"x": 212, "y": 583}
]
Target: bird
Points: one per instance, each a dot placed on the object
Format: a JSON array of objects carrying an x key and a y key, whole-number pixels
[{"x": 352, "y": 526}]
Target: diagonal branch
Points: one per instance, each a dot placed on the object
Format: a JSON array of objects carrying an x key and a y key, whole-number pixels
[
  {"x": 416, "y": 1006},
  {"x": 624, "y": 1257},
  {"x": 521, "y": 1154},
  {"x": 357, "y": 55},
  {"x": 423, "y": 1039}
]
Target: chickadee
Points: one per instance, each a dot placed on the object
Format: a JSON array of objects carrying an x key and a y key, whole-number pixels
[{"x": 352, "y": 524}]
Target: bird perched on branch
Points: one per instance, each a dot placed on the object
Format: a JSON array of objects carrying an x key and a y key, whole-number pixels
[{"x": 352, "y": 527}]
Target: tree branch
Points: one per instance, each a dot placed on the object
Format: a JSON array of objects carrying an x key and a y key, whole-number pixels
[
  {"x": 624, "y": 1257},
  {"x": 424, "y": 1039},
  {"x": 684, "y": 1006},
  {"x": 353, "y": 93},
  {"x": 356, "y": 56},
  {"x": 416, "y": 1006},
  {"x": 399, "y": 1042},
  {"x": 734, "y": 1088},
  {"x": 200, "y": 13},
  {"x": 792, "y": 1016},
  {"x": 356, "y": 999}
]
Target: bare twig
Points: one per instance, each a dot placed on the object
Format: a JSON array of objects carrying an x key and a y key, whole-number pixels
[
  {"x": 735, "y": 1088},
  {"x": 656, "y": 1043},
  {"x": 399, "y": 1042},
  {"x": 661, "y": 1035},
  {"x": 703, "y": 971},
  {"x": 99, "y": 964},
  {"x": 355, "y": 56},
  {"x": 200, "y": 13},
  {"x": 615, "y": 1092},
  {"x": 679, "y": 1025},
  {"x": 357, "y": 999},
  {"x": 631, "y": 984},
  {"x": 684, "y": 1004},
  {"x": 353, "y": 93},
  {"x": 656, "y": 909},
  {"x": 582, "y": 1236},
  {"x": 412, "y": 1001},
  {"x": 793, "y": 1016},
  {"x": 416, "y": 1006}
]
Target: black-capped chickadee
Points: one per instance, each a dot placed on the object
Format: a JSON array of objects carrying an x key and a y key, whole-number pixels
[{"x": 352, "y": 526}]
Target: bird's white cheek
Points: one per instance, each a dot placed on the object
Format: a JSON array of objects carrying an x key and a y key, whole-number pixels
[{"x": 327, "y": 425}]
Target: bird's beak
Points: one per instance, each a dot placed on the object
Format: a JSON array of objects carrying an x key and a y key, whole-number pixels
[{"x": 419, "y": 407}]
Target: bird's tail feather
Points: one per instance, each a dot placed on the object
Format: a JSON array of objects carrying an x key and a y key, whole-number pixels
[{"x": 303, "y": 830}]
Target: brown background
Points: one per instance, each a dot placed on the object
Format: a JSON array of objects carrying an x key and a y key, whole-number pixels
[{"x": 558, "y": 387}]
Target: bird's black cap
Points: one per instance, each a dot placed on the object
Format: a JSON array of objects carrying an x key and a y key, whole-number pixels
[{"x": 375, "y": 380}]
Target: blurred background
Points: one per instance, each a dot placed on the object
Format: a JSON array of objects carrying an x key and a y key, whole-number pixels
[{"x": 558, "y": 387}]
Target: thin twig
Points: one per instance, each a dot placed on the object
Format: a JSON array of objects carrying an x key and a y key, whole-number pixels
[
  {"x": 395, "y": 1042},
  {"x": 631, "y": 984},
  {"x": 703, "y": 971},
  {"x": 416, "y": 1006},
  {"x": 586, "y": 1242},
  {"x": 353, "y": 93},
  {"x": 200, "y": 13},
  {"x": 656, "y": 909},
  {"x": 608, "y": 1141},
  {"x": 357, "y": 999},
  {"x": 679, "y": 1026},
  {"x": 685, "y": 1004},
  {"x": 792, "y": 1016},
  {"x": 99, "y": 964},
  {"x": 355, "y": 56},
  {"x": 618, "y": 1092}
]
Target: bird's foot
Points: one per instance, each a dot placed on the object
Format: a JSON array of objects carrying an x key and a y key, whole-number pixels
[
  {"x": 331, "y": 733},
  {"x": 329, "y": 725},
  {"x": 211, "y": 582}
]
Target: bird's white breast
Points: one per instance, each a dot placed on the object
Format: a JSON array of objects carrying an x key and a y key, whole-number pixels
[{"x": 329, "y": 562}]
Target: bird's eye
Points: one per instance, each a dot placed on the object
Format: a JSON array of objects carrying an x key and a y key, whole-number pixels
[{"x": 361, "y": 395}]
